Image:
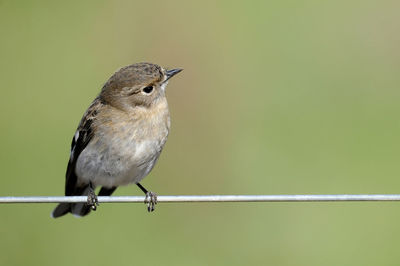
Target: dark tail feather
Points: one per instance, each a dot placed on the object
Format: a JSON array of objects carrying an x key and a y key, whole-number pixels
[
  {"x": 106, "y": 191},
  {"x": 77, "y": 209},
  {"x": 61, "y": 209}
]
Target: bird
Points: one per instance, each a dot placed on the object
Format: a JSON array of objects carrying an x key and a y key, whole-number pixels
[{"x": 120, "y": 137}]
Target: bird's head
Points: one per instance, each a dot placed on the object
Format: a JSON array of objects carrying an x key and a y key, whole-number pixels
[{"x": 141, "y": 84}]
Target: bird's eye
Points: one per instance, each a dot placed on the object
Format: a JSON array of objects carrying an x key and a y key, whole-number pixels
[{"x": 148, "y": 89}]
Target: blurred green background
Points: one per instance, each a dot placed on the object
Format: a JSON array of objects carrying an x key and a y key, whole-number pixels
[{"x": 277, "y": 97}]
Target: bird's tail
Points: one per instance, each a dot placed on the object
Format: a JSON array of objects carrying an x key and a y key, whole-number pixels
[{"x": 77, "y": 209}]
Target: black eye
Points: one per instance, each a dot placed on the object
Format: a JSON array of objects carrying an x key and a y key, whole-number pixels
[{"x": 148, "y": 89}]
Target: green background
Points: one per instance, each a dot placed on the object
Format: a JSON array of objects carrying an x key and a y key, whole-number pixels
[{"x": 276, "y": 97}]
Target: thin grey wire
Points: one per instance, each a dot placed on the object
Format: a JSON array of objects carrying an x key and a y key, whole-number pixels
[{"x": 208, "y": 198}]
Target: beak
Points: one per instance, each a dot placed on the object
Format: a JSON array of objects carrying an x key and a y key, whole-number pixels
[{"x": 172, "y": 72}]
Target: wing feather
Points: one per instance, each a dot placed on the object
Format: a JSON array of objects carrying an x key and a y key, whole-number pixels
[{"x": 80, "y": 140}]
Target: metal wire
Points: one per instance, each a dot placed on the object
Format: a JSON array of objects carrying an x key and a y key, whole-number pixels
[{"x": 208, "y": 198}]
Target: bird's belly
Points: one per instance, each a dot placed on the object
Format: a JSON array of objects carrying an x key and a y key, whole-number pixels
[{"x": 118, "y": 163}]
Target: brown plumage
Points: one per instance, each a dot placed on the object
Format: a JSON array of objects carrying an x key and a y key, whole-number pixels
[{"x": 120, "y": 136}]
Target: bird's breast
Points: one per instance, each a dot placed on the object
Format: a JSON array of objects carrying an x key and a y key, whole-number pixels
[{"x": 123, "y": 149}]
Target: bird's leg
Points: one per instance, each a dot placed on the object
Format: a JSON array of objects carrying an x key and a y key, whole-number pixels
[
  {"x": 150, "y": 199},
  {"x": 92, "y": 200}
]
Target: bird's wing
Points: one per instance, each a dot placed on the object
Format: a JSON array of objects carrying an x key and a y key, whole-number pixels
[{"x": 82, "y": 137}]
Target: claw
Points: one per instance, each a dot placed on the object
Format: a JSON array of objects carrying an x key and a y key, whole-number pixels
[
  {"x": 92, "y": 200},
  {"x": 150, "y": 200}
]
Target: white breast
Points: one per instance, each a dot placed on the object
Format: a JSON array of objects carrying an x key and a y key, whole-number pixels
[
  {"x": 118, "y": 164},
  {"x": 125, "y": 150}
]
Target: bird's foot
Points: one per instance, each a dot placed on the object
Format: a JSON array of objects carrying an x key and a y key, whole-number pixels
[
  {"x": 150, "y": 200},
  {"x": 92, "y": 200}
]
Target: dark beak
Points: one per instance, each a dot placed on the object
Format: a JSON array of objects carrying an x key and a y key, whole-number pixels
[{"x": 172, "y": 72}]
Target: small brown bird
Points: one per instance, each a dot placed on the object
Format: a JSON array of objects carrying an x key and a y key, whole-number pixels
[{"x": 120, "y": 137}]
